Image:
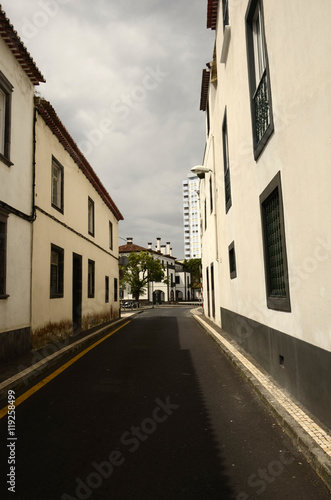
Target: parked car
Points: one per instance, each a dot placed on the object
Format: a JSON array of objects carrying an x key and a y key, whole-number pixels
[{"x": 129, "y": 304}]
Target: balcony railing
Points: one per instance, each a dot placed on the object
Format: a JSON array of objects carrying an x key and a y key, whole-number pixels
[{"x": 262, "y": 108}]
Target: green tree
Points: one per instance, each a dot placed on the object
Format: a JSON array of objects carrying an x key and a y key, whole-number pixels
[
  {"x": 140, "y": 270},
  {"x": 194, "y": 266}
]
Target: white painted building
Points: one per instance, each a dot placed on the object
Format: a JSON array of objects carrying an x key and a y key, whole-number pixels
[
  {"x": 179, "y": 283},
  {"x": 265, "y": 203},
  {"x": 191, "y": 217},
  {"x": 18, "y": 78},
  {"x": 75, "y": 280}
]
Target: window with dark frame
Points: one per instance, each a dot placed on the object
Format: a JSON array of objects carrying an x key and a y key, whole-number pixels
[
  {"x": 57, "y": 268},
  {"x": 225, "y": 10},
  {"x": 205, "y": 213},
  {"x": 6, "y": 90},
  {"x": 211, "y": 194},
  {"x": 259, "y": 77},
  {"x": 106, "y": 289},
  {"x": 91, "y": 279},
  {"x": 115, "y": 289},
  {"x": 110, "y": 235},
  {"x": 274, "y": 245},
  {"x": 3, "y": 253},
  {"x": 57, "y": 185},
  {"x": 91, "y": 217},
  {"x": 232, "y": 261},
  {"x": 212, "y": 287},
  {"x": 208, "y": 297},
  {"x": 226, "y": 162}
]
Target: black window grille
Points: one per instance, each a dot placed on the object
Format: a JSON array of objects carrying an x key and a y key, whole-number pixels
[
  {"x": 274, "y": 247},
  {"x": 262, "y": 108},
  {"x": 275, "y": 257},
  {"x": 259, "y": 77}
]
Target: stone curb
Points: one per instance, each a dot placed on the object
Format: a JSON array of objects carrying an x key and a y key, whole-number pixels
[{"x": 313, "y": 453}]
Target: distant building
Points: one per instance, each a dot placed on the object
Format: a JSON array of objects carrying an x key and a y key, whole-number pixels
[
  {"x": 18, "y": 77},
  {"x": 265, "y": 201},
  {"x": 191, "y": 215},
  {"x": 75, "y": 280},
  {"x": 179, "y": 286}
]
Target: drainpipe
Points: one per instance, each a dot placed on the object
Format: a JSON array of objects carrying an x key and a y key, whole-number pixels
[{"x": 33, "y": 216}]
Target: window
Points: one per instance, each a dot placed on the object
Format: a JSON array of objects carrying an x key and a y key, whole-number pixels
[
  {"x": 208, "y": 298},
  {"x": 232, "y": 261},
  {"x": 110, "y": 235},
  {"x": 211, "y": 194},
  {"x": 57, "y": 185},
  {"x": 106, "y": 289},
  {"x": 275, "y": 258},
  {"x": 212, "y": 286},
  {"x": 90, "y": 279},
  {"x": 6, "y": 90},
  {"x": 115, "y": 289},
  {"x": 90, "y": 217},
  {"x": 259, "y": 80},
  {"x": 226, "y": 162},
  {"x": 225, "y": 7},
  {"x": 177, "y": 280},
  {"x": 3, "y": 253},
  {"x": 57, "y": 260}
]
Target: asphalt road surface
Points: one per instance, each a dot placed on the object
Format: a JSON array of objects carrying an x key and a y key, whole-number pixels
[{"x": 154, "y": 412}]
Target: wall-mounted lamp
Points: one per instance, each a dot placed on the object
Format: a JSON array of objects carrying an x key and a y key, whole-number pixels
[{"x": 200, "y": 171}]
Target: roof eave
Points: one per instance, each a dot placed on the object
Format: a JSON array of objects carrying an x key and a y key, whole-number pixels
[{"x": 20, "y": 52}]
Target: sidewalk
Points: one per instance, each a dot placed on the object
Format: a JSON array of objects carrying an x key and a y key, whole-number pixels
[{"x": 309, "y": 435}]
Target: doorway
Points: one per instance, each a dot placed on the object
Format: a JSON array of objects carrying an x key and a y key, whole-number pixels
[{"x": 76, "y": 293}]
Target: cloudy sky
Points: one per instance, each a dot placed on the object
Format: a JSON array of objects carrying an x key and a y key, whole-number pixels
[{"x": 124, "y": 76}]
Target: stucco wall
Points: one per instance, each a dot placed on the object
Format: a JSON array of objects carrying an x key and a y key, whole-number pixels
[
  {"x": 69, "y": 231},
  {"x": 16, "y": 191},
  {"x": 300, "y": 74}
]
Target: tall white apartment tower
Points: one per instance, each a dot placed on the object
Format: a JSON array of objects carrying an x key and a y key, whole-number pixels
[{"x": 191, "y": 214}]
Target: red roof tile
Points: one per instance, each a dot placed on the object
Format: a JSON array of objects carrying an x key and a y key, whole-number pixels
[
  {"x": 13, "y": 41},
  {"x": 132, "y": 247},
  {"x": 52, "y": 120},
  {"x": 204, "y": 89},
  {"x": 212, "y": 10}
]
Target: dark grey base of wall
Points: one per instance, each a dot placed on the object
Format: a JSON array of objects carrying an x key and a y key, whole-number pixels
[
  {"x": 14, "y": 343},
  {"x": 301, "y": 368}
]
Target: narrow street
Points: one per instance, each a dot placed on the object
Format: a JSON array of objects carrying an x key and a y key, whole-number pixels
[{"x": 154, "y": 412}]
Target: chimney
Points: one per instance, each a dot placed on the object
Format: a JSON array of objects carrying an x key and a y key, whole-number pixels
[
  {"x": 158, "y": 244},
  {"x": 170, "y": 252},
  {"x": 129, "y": 241},
  {"x": 168, "y": 248},
  {"x": 163, "y": 249},
  {"x": 149, "y": 246}
]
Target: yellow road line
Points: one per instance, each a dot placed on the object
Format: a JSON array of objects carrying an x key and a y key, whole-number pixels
[{"x": 57, "y": 372}]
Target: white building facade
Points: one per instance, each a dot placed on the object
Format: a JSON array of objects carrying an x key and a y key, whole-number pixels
[
  {"x": 177, "y": 289},
  {"x": 18, "y": 78},
  {"x": 265, "y": 208},
  {"x": 75, "y": 277},
  {"x": 191, "y": 216}
]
